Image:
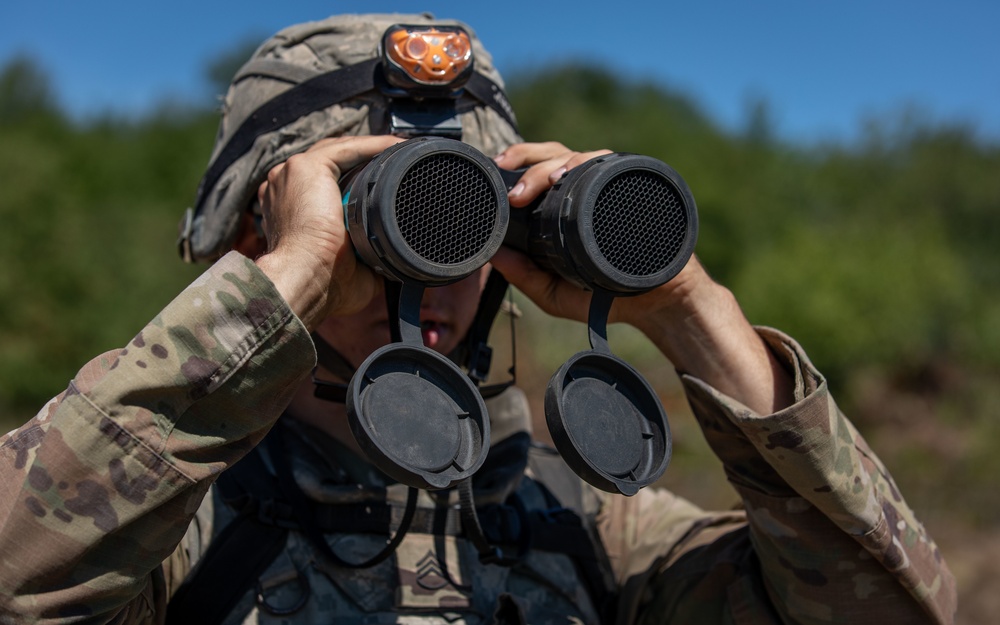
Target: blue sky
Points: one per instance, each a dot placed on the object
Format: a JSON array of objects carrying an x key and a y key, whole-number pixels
[{"x": 823, "y": 67}]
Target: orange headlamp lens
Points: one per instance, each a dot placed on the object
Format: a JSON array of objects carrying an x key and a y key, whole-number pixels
[{"x": 429, "y": 55}]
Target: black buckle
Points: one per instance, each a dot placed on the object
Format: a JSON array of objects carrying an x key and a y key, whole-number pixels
[
  {"x": 480, "y": 361},
  {"x": 276, "y": 513}
]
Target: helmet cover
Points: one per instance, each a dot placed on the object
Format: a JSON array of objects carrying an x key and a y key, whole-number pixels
[{"x": 290, "y": 57}]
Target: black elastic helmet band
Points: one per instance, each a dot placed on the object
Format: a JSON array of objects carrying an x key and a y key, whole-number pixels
[
  {"x": 319, "y": 93},
  {"x": 312, "y": 95}
]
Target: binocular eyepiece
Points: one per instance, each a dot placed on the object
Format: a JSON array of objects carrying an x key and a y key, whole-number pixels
[{"x": 431, "y": 211}]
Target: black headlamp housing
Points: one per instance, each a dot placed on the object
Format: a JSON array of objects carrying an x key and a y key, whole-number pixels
[
  {"x": 427, "y": 61},
  {"x": 424, "y": 72}
]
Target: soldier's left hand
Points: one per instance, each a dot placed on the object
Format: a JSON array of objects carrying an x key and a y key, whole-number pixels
[{"x": 547, "y": 162}]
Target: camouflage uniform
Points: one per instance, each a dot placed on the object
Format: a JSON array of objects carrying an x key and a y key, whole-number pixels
[{"x": 101, "y": 487}]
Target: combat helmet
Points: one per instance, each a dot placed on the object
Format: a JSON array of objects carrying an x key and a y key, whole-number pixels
[{"x": 323, "y": 79}]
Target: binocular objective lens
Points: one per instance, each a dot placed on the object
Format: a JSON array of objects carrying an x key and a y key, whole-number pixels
[
  {"x": 640, "y": 223},
  {"x": 446, "y": 209}
]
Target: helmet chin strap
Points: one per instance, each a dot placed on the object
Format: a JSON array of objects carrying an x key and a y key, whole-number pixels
[
  {"x": 473, "y": 352},
  {"x": 334, "y": 362}
]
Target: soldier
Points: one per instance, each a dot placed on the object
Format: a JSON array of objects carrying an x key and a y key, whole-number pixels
[{"x": 109, "y": 513}]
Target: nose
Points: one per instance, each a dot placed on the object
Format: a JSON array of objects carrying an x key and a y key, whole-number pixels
[{"x": 434, "y": 297}]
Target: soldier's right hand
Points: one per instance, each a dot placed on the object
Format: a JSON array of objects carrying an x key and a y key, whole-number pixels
[{"x": 308, "y": 255}]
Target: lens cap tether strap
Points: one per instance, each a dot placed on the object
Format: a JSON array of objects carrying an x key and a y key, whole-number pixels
[
  {"x": 604, "y": 418},
  {"x": 426, "y": 212},
  {"x": 617, "y": 225},
  {"x": 413, "y": 412}
]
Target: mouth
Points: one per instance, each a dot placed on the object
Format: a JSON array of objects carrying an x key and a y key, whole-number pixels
[{"x": 431, "y": 332}]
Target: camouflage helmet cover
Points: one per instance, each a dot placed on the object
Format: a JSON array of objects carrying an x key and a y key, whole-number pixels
[{"x": 290, "y": 57}]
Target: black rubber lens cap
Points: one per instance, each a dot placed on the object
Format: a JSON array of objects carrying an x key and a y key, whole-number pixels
[
  {"x": 417, "y": 417},
  {"x": 607, "y": 423},
  {"x": 422, "y": 429}
]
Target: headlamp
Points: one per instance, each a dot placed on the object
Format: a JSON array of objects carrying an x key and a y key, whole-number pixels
[
  {"x": 433, "y": 61},
  {"x": 425, "y": 68}
]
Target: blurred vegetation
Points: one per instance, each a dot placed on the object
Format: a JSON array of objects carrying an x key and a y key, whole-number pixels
[
  {"x": 879, "y": 256},
  {"x": 87, "y": 245}
]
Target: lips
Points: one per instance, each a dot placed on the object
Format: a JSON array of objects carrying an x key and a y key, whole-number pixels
[{"x": 431, "y": 332}]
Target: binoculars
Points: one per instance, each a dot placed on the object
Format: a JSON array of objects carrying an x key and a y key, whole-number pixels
[{"x": 431, "y": 211}]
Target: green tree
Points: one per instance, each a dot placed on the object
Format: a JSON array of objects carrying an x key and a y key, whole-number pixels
[{"x": 25, "y": 92}]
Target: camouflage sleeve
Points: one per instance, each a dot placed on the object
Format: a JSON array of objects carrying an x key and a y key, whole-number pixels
[
  {"x": 825, "y": 537},
  {"x": 98, "y": 489}
]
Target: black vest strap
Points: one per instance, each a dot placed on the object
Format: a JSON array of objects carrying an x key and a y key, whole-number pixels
[
  {"x": 304, "y": 509},
  {"x": 240, "y": 554},
  {"x": 213, "y": 589},
  {"x": 565, "y": 491}
]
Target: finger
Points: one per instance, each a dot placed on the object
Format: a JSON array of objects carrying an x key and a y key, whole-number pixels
[
  {"x": 326, "y": 159},
  {"x": 537, "y": 179},
  {"x": 261, "y": 192},
  {"x": 522, "y": 154},
  {"x": 272, "y": 174},
  {"x": 541, "y": 176},
  {"x": 379, "y": 141},
  {"x": 344, "y": 153},
  {"x": 551, "y": 293},
  {"x": 578, "y": 158}
]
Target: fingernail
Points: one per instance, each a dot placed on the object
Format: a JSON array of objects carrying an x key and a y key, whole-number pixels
[
  {"x": 557, "y": 174},
  {"x": 517, "y": 190},
  {"x": 499, "y": 157}
]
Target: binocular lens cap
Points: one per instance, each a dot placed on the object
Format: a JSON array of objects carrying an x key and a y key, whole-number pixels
[
  {"x": 426, "y": 408},
  {"x": 417, "y": 417},
  {"x": 607, "y": 423}
]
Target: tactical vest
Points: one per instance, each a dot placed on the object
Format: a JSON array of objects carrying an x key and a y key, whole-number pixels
[{"x": 388, "y": 555}]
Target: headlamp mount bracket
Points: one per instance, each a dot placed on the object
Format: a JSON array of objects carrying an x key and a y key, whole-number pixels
[{"x": 410, "y": 117}]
